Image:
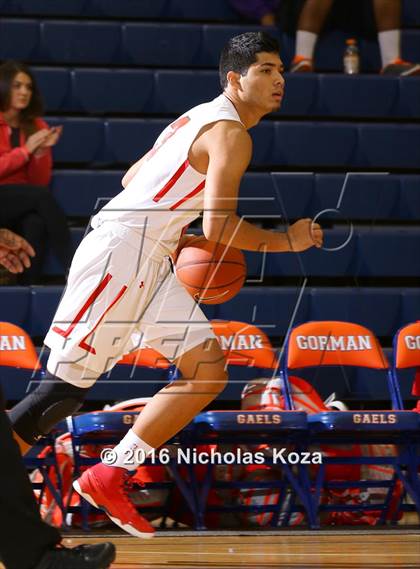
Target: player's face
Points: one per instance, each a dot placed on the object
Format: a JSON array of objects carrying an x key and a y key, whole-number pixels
[
  {"x": 263, "y": 85},
  {"x": 21, "y": 91}
]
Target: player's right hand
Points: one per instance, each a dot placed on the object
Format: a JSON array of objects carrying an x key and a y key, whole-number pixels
[{"x": 304, "y": 234}]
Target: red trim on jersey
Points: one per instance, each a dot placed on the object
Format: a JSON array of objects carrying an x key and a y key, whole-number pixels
[
  {"x": 84, "y": 308},
  {"x": 190, "y": 195},
  {"x": 172, "y": 181},
  {"x": 82, "y": 343}
]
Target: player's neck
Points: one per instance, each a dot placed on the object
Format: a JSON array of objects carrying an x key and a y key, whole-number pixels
[{"x": 249, "y": 117}]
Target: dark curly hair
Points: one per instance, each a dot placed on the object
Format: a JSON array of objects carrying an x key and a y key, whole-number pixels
[
  {"x": 241, "y": 51},
  {"x": 8, "y": 72}
]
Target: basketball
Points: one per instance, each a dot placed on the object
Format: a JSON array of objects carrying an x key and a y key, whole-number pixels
[{"x": 212, "y": 273}]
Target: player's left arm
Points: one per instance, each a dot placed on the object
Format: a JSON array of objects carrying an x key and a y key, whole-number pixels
[{"x": 229, "y": 148}]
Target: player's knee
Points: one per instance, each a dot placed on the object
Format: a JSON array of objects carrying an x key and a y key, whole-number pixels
[{"x": 51, "y": 402}]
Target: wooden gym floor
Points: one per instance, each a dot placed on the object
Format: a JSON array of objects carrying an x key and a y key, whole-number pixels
[{"x": 362, "y": 549}]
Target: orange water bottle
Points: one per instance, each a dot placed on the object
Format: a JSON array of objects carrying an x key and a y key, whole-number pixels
[{"x": 351, "y": 59}]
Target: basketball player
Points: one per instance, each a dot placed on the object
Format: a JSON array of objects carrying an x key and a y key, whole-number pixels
[{"x": 121, "y": 282}]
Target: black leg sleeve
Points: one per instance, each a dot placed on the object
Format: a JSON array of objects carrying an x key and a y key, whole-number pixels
[{"x": 24, "y": 537}]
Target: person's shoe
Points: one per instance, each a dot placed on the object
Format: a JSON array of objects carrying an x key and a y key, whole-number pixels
[
  {"x": 107, "y": 487},
  {"x": 301, "y": 64},
  {"x": 401, "y": 68},
  {"x": 95, "y": 556}
]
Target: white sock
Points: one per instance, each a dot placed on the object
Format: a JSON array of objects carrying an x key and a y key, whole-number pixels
[
  {"x": 129, "y": 453},
  {"x": 305, "y": 44},
  {"x": 389, "y": 44}
]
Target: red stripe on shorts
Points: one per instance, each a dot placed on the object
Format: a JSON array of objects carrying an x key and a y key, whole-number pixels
[
  {"x": 82, "y": 343},
  {"x": 84, "y": 308}
]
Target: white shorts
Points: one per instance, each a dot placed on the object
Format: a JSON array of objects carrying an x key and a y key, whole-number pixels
[{"x": 121, "y": 294}]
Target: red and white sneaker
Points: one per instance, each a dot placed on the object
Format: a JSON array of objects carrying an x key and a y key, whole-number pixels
[{"x": 106, "y": 487}]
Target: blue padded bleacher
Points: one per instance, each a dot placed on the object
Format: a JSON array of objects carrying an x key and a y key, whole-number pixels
[
  {"x": 369, "y": 252},
  {"x": 80, "y": 192},
  {"x": 15, "y": 302},
  {"x": 202, "y": 10},
  {"x": 43, "y": 304},
  {"x": 42, "y": 7},
  {"x": 410, "y": 13},
  {"x": 269, "y": 308},
  {"x": 376, "y": 308},
  {"x": 80, "y": 42},
  {"x": 54, "y": 84},
  {"x": 170, "y": 45},
  {"x": 11, "y": 44},
  {"x": 314, "y": 144},
  {"x": 97, "y": 90},
  {"x": 82, "y": 140},
  {"x": 389, "y": 146},
  {"x": 362, "y": 96},
  {"x": 410, "y": 306},
  {"x": 364, "y": 196},
  {"x": 128, "y": 140},
  {"x": 410, "y": 97},
  {"x": 278, "y": 195},
  {"x": 150, "y": 43},
  {"x": 177, "y": 91},
  {"x": 158, "y": 9},
  {"x": 300, "y": 94},
  {"x": 112, "y": 90},
  {"x": 389, "y": 251}
]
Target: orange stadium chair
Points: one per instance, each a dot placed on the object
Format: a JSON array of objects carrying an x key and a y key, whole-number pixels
[{"x": 342, "y": 344}]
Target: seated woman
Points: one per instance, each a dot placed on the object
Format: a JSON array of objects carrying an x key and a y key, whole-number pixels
[{"x": 27, "y": 205}]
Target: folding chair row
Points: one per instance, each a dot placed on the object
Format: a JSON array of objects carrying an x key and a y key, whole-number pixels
[
  {"x": 154, "y": 44},
  {"x": 98, "y": 91},
  {"x": 343, "y": 344},
  {"x": 302, "y": 144}
]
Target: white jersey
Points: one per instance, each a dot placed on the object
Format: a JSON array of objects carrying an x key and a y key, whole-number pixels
[{"x": 166, "y": 194}]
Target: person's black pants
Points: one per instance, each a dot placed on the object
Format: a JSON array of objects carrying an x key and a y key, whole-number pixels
[
  {"x": 24, "y": 537},
  {"x": 34, "y": 214}
]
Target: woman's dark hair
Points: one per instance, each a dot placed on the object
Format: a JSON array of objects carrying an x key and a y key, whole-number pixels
[
  {"x": 241, "y": 51},
  {"x": 8, "y": 72}
]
